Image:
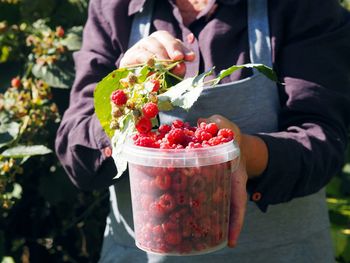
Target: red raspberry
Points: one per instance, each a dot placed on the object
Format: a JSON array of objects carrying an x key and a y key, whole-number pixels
[
  {"x": 156, "y": 85},
  {"x": 197, "y": 183},
  {"x": 164, "y": 128},
  {"x": 158, "y": 231},
  {"x": 145, "y": 142},
  {"x": 173, "y": 238},
  {"x": 156, "y": 209},
  {"x": 59, "y": 31},
  {"x": 215, "y": 141},
  {"x": 177, "y": 124},
  {"x": 163, "y": 181},
  {"x": 144, "y": 125},
  {"x": 150, "y": 110},
  {"x": 167, "y": 202},
  {"x": 181, "y": 198},
  {"x": 146, "y": 201},
  {"x": 169, "y": 226},
  {"x": 179, "y": 182},
  {"x": 202, "y": 135},
  {"x": 226, "y": 133},
  {"x": 176, "y": 136},
  {"x": 16, "y": 82},
  {"x": 212, "y": 128},
  {"x": 119, "y": 97}
]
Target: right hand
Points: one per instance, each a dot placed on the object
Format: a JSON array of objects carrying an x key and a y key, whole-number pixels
[{"x": 159, "y": 45}]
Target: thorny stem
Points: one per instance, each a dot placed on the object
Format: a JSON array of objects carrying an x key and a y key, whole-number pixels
[{"x": 174, "y": 76}]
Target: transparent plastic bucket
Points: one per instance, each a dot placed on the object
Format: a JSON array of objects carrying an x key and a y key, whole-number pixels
[{"x": 181, "y": 198}]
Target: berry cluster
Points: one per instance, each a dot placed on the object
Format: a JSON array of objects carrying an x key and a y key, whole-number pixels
[
  {"x": 179, "y": 135},
  {"x": 137, "y": 98},
  {"x": 181, "y": 210}
]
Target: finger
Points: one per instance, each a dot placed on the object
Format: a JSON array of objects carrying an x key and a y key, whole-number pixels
[
  {"x": 238, "y": 204},
  {"x": 179, "y": 69},
  {"x": 175, "y": 48},
  {"x": 152, "y": 44},
  {"x": 136, "y": 56}
]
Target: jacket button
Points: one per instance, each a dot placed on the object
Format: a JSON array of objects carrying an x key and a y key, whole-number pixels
[
  {"x": 107, "y": 151},
  {"x": 256, "y": 196}
]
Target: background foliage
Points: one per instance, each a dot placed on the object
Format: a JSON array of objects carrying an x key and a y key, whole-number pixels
[{"x": 43, "y": 218}]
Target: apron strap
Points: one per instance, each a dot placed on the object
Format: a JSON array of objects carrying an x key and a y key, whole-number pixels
[
  {"x": 141, "y": 23},
  {"x": 259, "y": 32},
  {"x": 258, "y": 29}
]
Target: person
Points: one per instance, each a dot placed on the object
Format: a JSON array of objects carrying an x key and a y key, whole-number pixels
[{"x": 292, "y": 136}]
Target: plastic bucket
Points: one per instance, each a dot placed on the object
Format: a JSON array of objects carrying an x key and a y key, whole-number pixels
[{"x": 181, "y": 198}]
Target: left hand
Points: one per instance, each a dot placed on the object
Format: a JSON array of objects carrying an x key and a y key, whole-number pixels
[{"x": 238, "y": 183}]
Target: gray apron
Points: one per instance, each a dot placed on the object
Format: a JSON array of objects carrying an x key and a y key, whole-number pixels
[{"x": 297, "y": 231}]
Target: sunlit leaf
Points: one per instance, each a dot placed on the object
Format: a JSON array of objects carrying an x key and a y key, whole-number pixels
[
  {"x": 21, "y": 151},
  {"x": 102, "y": 96},
  {"x": 8, "y": 132}
]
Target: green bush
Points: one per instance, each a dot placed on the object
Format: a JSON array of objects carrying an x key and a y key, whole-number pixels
[{"x": 43, "y": 218}]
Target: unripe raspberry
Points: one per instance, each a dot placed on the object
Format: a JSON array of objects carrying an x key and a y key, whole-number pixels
[
  {"x": 114, "y": 125},
  {"x": 150, "y": 110},
  {"x": 16, "y": 82},
  {"x": 119, "y": 97},
  {"x": 144, "y": 125},
  {"x": 59, "y": 31},
  {"x": 116, "y": 112},
  {"x": 150, "y": 62},
  {"x": 132, "y": 78}
]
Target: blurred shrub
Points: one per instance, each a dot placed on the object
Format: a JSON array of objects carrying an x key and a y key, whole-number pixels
[{"x": 43, "y": 218}]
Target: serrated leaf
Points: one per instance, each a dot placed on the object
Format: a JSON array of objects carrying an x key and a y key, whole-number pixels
[
  {"x": 102, "y": 96},
  {"x": 183, "y": 94},
  {"x": 57, "y": 75},
  {"x": 118, "y": 141},
  {"x": 265, "y": 70},
  {"x": 165, "y": 105},
  {"x": 8, "y": 133},
  {"x": 21, "y": 151},
  {"x": 199, "y": 80}
]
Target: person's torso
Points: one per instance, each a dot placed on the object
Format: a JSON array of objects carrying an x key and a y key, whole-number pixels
[{"x": 253, "y": 104}]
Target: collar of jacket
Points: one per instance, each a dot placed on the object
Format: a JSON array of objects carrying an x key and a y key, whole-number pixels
[{"x": 136, "y": 5}]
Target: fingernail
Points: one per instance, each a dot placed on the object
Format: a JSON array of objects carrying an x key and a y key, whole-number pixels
[
  {"x": 177, "y": 54},
  {"x": 231, "y": 243},
  {"x": 190, "y": 38}
]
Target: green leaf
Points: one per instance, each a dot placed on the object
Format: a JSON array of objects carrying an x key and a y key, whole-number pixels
[
  {"x": 265, "y": 70},
  {"x": 102, "y": 96},
  {"x": 183, "y": 94},
  {"x": 165, "y": 105},
  {"x": 57, "y": 75},
  {"x": 8, "y": 260},
  {"x": 8, "y": 133},
  {"x": 73, "y": 38},
  {"x": 118, "y": 141},
  {"x": 21, "y": 151}
]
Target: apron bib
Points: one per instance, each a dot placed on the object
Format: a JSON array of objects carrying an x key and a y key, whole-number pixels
[{"x": 297, "y": 231}]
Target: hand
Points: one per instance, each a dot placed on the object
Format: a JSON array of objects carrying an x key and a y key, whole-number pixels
[
  {"x": 238, "y": 183},
  {"x": 159, "y": 45}
]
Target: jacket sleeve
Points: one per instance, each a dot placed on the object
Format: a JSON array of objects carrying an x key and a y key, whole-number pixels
[
  {"x": 80, "y": 140},
  {"x": 315, "y": 110}
]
